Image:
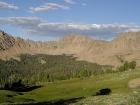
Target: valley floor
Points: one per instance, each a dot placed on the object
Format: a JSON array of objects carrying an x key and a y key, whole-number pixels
[{"x": 83, "y": 91}]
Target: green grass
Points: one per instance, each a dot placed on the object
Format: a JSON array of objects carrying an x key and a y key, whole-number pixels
[
  {"x": 75, "y": 88},
  {"x": 127, "y": 99},
  {"x": 9, "y": 97}
]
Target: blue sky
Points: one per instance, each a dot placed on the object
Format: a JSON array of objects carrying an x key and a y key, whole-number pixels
[{"x": 46, "y": 20}]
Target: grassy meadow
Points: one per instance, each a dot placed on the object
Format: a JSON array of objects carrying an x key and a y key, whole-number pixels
[{"x": 80, "y": 91}]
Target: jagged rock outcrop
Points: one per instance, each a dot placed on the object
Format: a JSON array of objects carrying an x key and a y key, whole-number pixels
[
  {"x": 6, "y": 41},
  {"x": 125, "y": 47}
]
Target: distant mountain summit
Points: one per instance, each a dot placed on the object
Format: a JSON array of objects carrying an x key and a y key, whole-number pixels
[{"x": 125, "y": 47}]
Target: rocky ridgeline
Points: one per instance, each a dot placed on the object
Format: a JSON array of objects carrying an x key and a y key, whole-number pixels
[
  {"x": 125, "y": 47},
  {"x": 6, "y": 41}
]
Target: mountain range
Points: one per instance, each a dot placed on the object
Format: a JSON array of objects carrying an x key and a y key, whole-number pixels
[{"x": 125, "y": 47}]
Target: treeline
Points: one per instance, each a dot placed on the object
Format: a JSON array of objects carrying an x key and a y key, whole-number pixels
[
  {"x": 36, "y": 69},
  {"x": 127, "y": 66},
  {"x": 31, "y": 70}
]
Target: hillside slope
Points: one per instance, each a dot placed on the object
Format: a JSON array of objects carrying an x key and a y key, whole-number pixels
[{"x": 125, "y": 47}]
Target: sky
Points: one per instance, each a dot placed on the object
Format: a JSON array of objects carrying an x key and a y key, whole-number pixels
[{"x": 46, "y": 20}]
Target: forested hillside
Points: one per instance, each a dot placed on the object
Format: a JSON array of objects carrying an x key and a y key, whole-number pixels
[{"x": 35, "y": 69}]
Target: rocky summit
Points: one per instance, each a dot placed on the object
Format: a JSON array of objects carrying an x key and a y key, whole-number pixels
[{"x": 125, "y": 47}]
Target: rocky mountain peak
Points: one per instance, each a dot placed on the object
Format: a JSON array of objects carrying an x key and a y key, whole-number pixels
[{"x": 125, "y": 47}]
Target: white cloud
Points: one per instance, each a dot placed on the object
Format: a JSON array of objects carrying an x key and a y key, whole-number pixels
[
  {"x": 47, "y": 7},
  {"x": 4, "y": 5},
  {"x": 84, "y": 4},
  {"x": 37, "y": 27},
  {"x": 70, "y": 1},
  {"x": 133, "y": 30}
]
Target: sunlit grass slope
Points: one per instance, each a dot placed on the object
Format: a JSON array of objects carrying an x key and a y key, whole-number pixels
[{"x": 76, "y": 88}]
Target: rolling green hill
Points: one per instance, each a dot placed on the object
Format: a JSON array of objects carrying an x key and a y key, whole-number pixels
[
  {"x": 80, "y": 91},
  {"x": 36, "y": 69},
  {"x": 62, "y": 80}
]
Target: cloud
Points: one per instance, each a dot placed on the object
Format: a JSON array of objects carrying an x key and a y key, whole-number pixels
[
  {"x": 37, "y": 27},
  {"x": 47, "y": 7},
  {"x": 4, "y": 5},
  {"x": 84, "y": 4},
  {"x": 70, "y": 1}
]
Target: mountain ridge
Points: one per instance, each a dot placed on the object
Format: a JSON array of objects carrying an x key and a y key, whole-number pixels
[{"x": 125, "y": 47}]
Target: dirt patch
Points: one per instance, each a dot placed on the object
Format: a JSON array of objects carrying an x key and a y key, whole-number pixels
[
  {"x": 42, "y": 61},
  {"x": 134, "y": 83}
]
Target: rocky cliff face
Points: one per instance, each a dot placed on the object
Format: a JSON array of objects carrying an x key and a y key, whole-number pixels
[
  {"x": 6, "y": 41},
  {"x": 125, "y": 47}
]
